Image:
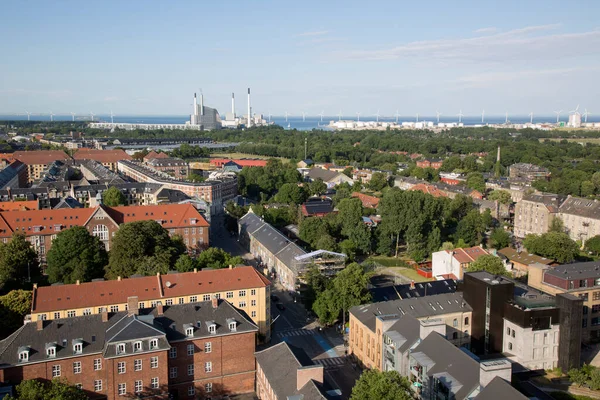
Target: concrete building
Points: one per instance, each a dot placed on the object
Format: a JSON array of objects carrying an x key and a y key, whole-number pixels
[
  {"x": 244, "y": 287},
  {"x": 204, "y": 117},
  {"x": 176, "y": 167},
  {"x": 193, "y": 350},
  {"x": 406, "y": 182},
  {"x": 580, "y": 217},
  {"x": 453, "y": 263},
  {"x": 13, "y": 175},
  {"x": 529, "y": 172},
  {"x": 366, "y": 326},
  {"x": 535, "y": 212},
  {"x": 286, "y": 372}
]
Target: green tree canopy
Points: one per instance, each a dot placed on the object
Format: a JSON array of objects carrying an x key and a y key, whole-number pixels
[
  {"x": 142, "y": 247},
  {"x": 378, "y": 385},
  {"x": 113, "y": 197},
  {"x": 488, "y": 263},
  {"x": 312, "y": 229},
  {"x": 378, "y": 181},
  {"x": 593, "y": 244},
  {"x": 554, "y": 245},
  {"x": 13, "y": 307},
  {"x": 290, "y": 193},
  {"x": 499, "y": 239},
  {"x": 55, "y": 389},
  {"x": 475, "y": 181},
  {"x": 502, "y": 196},
  {"x": 317, "y": 187},
  {"x": 18, "y": 262},
  {"x": 471, "y": 228},
  {"x": 76, "y": 255},
  {"x": 217, "y": 258}
]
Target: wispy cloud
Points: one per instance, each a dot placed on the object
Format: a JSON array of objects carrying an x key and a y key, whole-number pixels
[
  {"x": 111, "y": 98},
  {"x": 490, "y": 29},
  {"x": 31, "y": 92},
  {"x": 524, "y": 44},
  {"x": 312, "y": 33},
  {"x": 493, "y": 78}
]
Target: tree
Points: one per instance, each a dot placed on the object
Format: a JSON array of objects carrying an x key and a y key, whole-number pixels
[
  {"x": 350, "y": 286},
  {"x": 388, "y": 385},
  {"x": 556, "y": 225},
  {"x": 475, "y": 181},
  {"x": 488, "y": 263},
  {"x": 378, "y": 181},
  {"x": 113, "y": 197},
  {"x": 311, "y": 229},
  {"x": 185, "y": 263},
  {"x": 217, "y": 258},
  {"x": 471, "y": 228},
  {"x": 499, "y": 239},
  {"x": 350, "y": 213},
  {"x": 55, "y": 389},
  {"x": 502, "y": 196},
  {"x": 142, "y": 247},
  {"x": 193, "y": 177},
  {"x": 578, "y": 376},
  {"x": 317, "y": 187},
  {"x": 554, "y": 245},
  {"x": 326, "y": 242},
  {"x": 348, "y": 247},
  {"x": 326, "y": 307},
  {"x": 316, "y": 282},
  {"x": 76, "y": 256},
  {"x": 13, "y": 307},
  {"x": 290, "y": 193},
  {"x": 18, "y": 262},
  {"x": 593, "y": 244}
]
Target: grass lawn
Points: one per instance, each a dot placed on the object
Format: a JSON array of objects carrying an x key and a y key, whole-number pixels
[
  {"x": 389, "y": 261},
  {"x": 399, "y": 267}
]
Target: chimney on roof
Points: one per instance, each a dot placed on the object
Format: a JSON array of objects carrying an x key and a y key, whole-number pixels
[
  {"x": 119, "y": 278},
  {"x": 159, "y": 309},
  {"x": 104, "y": 316},
  {"x": 133, "y": 305},
  {"x": 230, "y": 266},
  {"x": 40, "y": 324},
  {"x": 412, "y": 284},
  {"x": 195, "y": 270},
  {"x": 77, "y": 282},
  {"x": 215, "y": 302}
]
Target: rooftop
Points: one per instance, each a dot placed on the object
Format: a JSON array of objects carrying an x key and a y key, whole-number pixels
[
  {"x": 40, "y": 156},
  {"x": 581, "y": 207},
  {"x": 581, "y": 270},
  {"x": 323, "y": 174},
  {"x": 523, "y": 257},
  {"x": 396, "y": 292},
  {"x": 499, "y": 389},
  {"x": 102, "y": 156}
]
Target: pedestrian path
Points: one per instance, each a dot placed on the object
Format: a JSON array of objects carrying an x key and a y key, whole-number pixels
[
  {"x": 329, "y": 363},
  {"x": 294, "y": 332}
]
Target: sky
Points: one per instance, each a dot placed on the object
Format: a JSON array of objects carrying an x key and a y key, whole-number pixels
[{"x": 149, "y": 57}]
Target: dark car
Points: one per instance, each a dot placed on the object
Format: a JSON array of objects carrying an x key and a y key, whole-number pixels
[
  {"x": 280, "y": 306},
  {"x": 274, "y": 298}
]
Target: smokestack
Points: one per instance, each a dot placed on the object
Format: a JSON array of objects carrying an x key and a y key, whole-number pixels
[
  {"x": 195, "y": 105},
  {"x": 233, "y": 104},
  {"x": 498, "y": 155},
  {"x": 201, "y": 104},
  {"x": 249, "y": 115}
]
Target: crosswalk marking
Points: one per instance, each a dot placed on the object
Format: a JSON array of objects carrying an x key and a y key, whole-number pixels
[
  {"x": 330, "y": 362},
  {"x": 294, "y": 332}
]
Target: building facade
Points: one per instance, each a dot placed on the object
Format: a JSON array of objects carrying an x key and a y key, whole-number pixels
[
  {"x": 453, "y": 263},
  {"x": 535, "y": 212},
  {"x": 176, "y": 167},
  {"x": 108, "y": 158}
]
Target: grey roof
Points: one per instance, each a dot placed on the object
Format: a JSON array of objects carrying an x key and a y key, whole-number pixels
[
  {"x": 271, "y": 238},
  {"x": 68, "y": 202},
  {"x": 581, "y": 207},
  {"x": 499, "y": 389},
  {"x": 171, "y": 195},
  {"x": 405, "y": 332},
  {"x": 582, "y": 270},
  {"x": 552, "y": 201},
  {"x": 397, "y": 292},
  {"x": 451, "y": 365},
  {"x": 419, "y": 307},
  {"x": 280, "y": 364},
  {"x": 288, "y": 256},
  {"x": 10, "y": 171},
  {"x": 324, "y": 174}
]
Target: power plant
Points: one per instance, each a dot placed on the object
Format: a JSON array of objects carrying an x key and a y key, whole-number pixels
[
  {"x": 233, "y": 121},
  {"x": 205, "y": 117}
]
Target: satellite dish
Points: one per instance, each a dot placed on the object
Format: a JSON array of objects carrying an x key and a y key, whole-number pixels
[{"x": 168, "y": 284}]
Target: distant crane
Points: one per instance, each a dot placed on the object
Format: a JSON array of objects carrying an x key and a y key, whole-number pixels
[
  {"x": 585, "y": 115},
  {"x": 417, "y": 117},
  {"x": 397, "y": 115},
  {"x": 437, "y": 113},
  {"x": 531, "y": 118},
  {"x": 303, "y": 116},
  {"x": 358, "y": 116},
  {"x": 73, "y": 116},
  {"x": 460, "y": 115},
  {"x": 506, "y": 119},
  {"x": 483, "y": 116},
  {"x": 51, "y": 116},
  {"x": 557, "y": 115},
  {"x": 286, "y": 115}
]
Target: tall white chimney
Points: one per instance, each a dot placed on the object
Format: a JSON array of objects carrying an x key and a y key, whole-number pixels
[
  {"x": 233, "y": 104},
  {"x": 195, "y": 105},
  {"x": 201, "y": 104},
  {"x": 249, "y": 114}
]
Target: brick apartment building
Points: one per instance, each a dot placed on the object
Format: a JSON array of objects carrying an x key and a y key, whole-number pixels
[
  {"x": 187, "y": 351},
  {"x": 535, "y": 212},
  {"x": 434, "y": 163},
  {"x": 244, "y": 287},
  {"x": 41, "y": 226},
  {"x": 176, "y": 167},
  {"x": 37, "y": 161},
  {"x": 108, "y": 158}
]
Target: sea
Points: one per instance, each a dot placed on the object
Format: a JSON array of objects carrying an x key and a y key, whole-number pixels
[{"x": 299, "y": 123}]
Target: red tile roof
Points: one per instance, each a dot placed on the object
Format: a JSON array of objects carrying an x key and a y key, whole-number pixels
[
  {"x": 172, "y": 215},
  {"x": 219, "y": 162},
  {"x": 102, "y": 156},
  {"x": 152, "y": 155},
  {"x": 40, "y": 156},
  {"x": 367, "y": 201},
  {"x": 429, "y": 189},
  {"x": 19, "y": 205},
  {"x": 103, "y": 293},
  {"x": 469, "y": 254}
]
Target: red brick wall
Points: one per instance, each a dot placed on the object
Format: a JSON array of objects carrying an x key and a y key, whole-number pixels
[
  {"x": 145, "y": 375},
  {"x": 556, "y": 281}
]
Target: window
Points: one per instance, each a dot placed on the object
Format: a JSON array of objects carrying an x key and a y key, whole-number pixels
[
  {"x": 141, "y": 305},
  {"x": 253, "y": 303},
  {"x": 595, "y": 308},
  {"x": 173, "y": 352},
  {"x": 218, "y": 296},
  {"x": 114, "y": 308},
  {"x": 153, "y": 344},
  {"x": 100, "y": 231},
  {"x": 229, "y": 295},
  {"x": 193, "y": 299},
  {"x": 137, "y": 364},
  {"x": 87, "y": 311},
  {"x": 190, "y": 369},
  {"x": 139, "y": 386},
  {"x": 208, "y": 347},
  {"x": 508, "y": 331},
  {"x": 121, "y": 367},
  {"x": 173, "y": 372},
  {"x": 584, "y": 296},
  {"x": 585, "y": 310},
  {"x": 98, "y": 385},
  {"x": 154, "y": 383},
  {"x": 70, "y": 314},
  {"x": 189, "y": 332},
  {"x": 181, "y": 300},
  {"x": 232, "y": 326},
  {"x": 454, "y": 335},
  {"x": 584, "y": 323},
  {"x": 77, "y": 367},
  {"x": 466, "y": 320},
  {"x": 78, "y": 348},
  {"x": 509, "y": 345},
  {"x": 41, "y": 317},
  {"x": 596, "y": 295},
  {"x": 153, "y": 362},
  {"x": 153, "y": 303},
  {"x": 169, "y": 302},
  {"x": 513, "y": 333},
  {"x": 212, "y": 329},
  {"x": 208, "y": 366},
  {"x": 121, "y": 348},
  {"x": 455, "y": 322},
  {"x": 583, "y": 283},
  {"x": 253, "y": 314},
  {"x": 97, "y": 364},
  {"x": 122, "y": 389},
  {"x": 55, "y": 371},
  {"x": 56, "y": 315},
  {"x": 253, "y": 292},
  {"x": 137, "y": 346},
  {"x": 208, "y": 388},
  {"x": 242, "y": 304},
  {"x": 242, "y": 293},
  {"x": 51, "y": 351},
  {"x": 595, "y": 321},
  {"x": 191, "y": 391},
  {"x": 190, "y": 350},
  {"x": 206, "y": 297}
]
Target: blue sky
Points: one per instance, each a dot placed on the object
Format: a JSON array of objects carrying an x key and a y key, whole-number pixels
[{"x": 148, "y": 57}]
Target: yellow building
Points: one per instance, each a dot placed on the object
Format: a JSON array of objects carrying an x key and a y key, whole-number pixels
[{"x": 244, "y": 287}]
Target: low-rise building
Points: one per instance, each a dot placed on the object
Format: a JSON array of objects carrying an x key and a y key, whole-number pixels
[
  {"x": 317, "y": 207},
  {"x": 453, "y": 263},
  {"x": 535, "y": 212},
  {"x": 286, "y": 372},
  {"x": 529, "y": 172},
  {"x": 518, "y": 262},
  {"x": 108, "y": 158},
  {"x": 244, "y": 287},
  {"x": 176, "y": 167},
  {"x": 434, "y": 163},
  {"x": 428, "y": 189},
  {"x": 201, "y": 349},
  {"x": 366, "y": 200},
  {"x": 242, "y": 162},
  {"x": 331, "y": 178},
  {"x": 38, "y": 161}
]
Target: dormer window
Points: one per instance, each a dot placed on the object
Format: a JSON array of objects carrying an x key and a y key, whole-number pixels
[
  {"x": 51, "y": 351},
  {"x": 121, "y": 348},
  {"x": 231, "y": 324},
  {"x": 193, "y": 221},
  {"x": 137, "y": 346},
  {"x": 78, "y": 346},
  {"x": 153, "y": 344},
  {"x": 24, "y": 353},
  {"x": 189, "y": 331},
  {"x": 212, "y": 328}
]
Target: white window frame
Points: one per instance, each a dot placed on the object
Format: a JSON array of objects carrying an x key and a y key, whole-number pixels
[
  {"x": 208, "y": 367},
  {"x": 208, "y": 387},
  {"x": 153, "y": 362},
  {"x": 153, "y": 344},
  {"x": 212, "y": 329},
  {"x": 137, "y": 346},
  {"x": 121, "y": 367},
  {"x": 190, "y": 369},
  {"x": 233, "y": 326},
  {"x": 78, "y": 348},
  {"x": 122, "y": 389},
  {"x": 77, "y": 367},
  {"x": 121, "y": 348},
  {"x": 173, "y": 372},
  {"x": 98, "y": 385},
  {"x": 51, "y": 352},
  {"x": 137, "y": 364},
  {"x": 154, "y": 383},
  {"x": 208, "y": 347},
  {"x": 191, "y": 390},
  {"x": 56, "y": 371},
  {"x": 139, "y": 386},
  {"x": 190, "y": 349},
  {"x": 189, "y": 332},
  {"x": 97, "y": 364},
  {"x": 173, "y": 352}
]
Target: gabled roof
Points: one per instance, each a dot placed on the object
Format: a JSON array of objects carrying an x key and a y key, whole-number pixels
[
  {"x": 19, "y": 205},
  {"x": 323, "y": 174},
  {"x": 171, "y": 215},
  {"x": 242, "y": 162},
  {"x": 317, "y": 206},
  {"x": 147, "y": 288},
  {"x": 40, "y": 156},
  {"x": 523, "y": 257},
  {"x": 102, "y": 156},
  {"x": 152, "y": 155},
  {"x": 499, "y": 389},
  {"x": 468, "y": 255},
  {"x": 367, "y": 201},
  {"x": 428, "y": 189},
  {"x": 396, "y": 292}
]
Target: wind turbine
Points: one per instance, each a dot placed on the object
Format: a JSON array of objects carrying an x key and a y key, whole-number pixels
[
  {"x": 28, "y": 115},
  {"x": 322, "y": 113},
  {"x": 303, "y": 116},
  {"x": 506, "y": 119},
  {"x": 397, "y": 115},
  {"x": 73, "y": 116},
  {"x": 557, "y": 115},
  {"x": 377, "y": 116},
  {"x": 52, "y": 115},
  {"x": 358, "y": 116},
  {"x": 286, "y": 115},
  {"x": 111, "y": 117},
  {"x": 576, "y": 110},
  {"x": 92, "y": 115},
  {"x": 482, "y": 116},
  {"x": 340, "y": 116},
  {"x": 270, "y": 115},
  {"x": 437, "y": 113},
  {"x": 585, "y": 115},
  {"x": 417, "y": 117},
  {"x": 460, "y": 115},
  {"x": 531, "y": 118}
]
